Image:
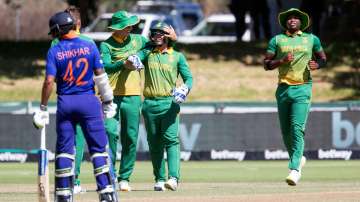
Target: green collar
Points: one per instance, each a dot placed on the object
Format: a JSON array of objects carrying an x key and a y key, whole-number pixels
[{"x": 294, "y": 34}]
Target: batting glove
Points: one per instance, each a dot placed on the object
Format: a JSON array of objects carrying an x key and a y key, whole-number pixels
[
  {"x": 41, "y": 118},
  {"x": 109, "y": 110},
  {"x": 135, "y": 60},
  {"x": 180, "y": 93}
]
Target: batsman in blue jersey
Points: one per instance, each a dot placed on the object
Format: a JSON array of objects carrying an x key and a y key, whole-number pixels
[{"x": 76, "y": 67}]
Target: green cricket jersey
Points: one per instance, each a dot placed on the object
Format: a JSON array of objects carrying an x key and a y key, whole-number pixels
[
  {"x": 302, "y": 45},
  {"x": 114, "y": 53},
  {"x": 162, "y": 70}
]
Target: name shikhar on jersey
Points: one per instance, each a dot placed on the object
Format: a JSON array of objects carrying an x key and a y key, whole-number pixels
[{"x": 77, "y": 52}]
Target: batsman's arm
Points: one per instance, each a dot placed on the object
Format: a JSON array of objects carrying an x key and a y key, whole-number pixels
[
  {"x": 101, "y": 79},
  {"x": 102, "y": 82},
  {"x": 47, "y": 89},
  {"x": 49, "y": 78}
]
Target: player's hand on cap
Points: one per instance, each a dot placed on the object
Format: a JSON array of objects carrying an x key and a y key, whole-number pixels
[
  {"x": 170, "y": 33},
  {"x": 180, "y": 93},
  {"x": 109, "y": 109},
  {"x": 136, "y": 62},
  {"x": 41, "y": 117}
]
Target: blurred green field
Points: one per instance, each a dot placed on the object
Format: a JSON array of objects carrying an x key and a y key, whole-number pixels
[
  {"x": 209, "y": 181},
  {"x": 222, "y": 72}
]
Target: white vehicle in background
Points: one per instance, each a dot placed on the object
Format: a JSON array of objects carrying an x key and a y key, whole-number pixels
[
  {"x": 98, "y": 30},
  {"x": 216, "y": 28},
  {"x": 186, "y": 14}
]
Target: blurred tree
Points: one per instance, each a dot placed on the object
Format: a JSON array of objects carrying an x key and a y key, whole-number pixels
[
  {"x": 91, "y": 9},
  {"x": 16, "y": 6},
  {"x": 88, "y": 9},
  {"x": 211, "y": 6}
]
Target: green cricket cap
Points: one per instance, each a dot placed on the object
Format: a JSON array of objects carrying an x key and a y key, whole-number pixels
[
  {"x": 304, "y": 18},
  {"x": 121, "y": 19}
]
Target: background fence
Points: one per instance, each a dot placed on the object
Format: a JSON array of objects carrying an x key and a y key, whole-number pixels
[{"x": 211, "y": 131}]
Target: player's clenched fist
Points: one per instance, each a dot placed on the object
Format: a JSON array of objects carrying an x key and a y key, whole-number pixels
[
  {"x": 288, "y": 58},
  {"x": 313, "y": 65}
]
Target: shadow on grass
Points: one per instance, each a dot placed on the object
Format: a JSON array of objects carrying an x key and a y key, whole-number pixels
[
  {"x": 348, "y": 80},
  {"x": 21, "y": 59},
  {"x": 21, "y": 68},
  {"x": 248, "y": 53}
]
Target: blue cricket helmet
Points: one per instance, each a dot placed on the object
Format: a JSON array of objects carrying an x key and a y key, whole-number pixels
[{"x": 61, "y": 23}]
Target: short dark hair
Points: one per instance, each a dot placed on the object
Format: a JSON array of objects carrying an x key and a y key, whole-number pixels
[{"x": 74, "y": 12}]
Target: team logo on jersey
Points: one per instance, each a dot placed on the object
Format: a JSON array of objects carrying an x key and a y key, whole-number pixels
[
  {"x": 134, "y": 43},
  {"x": 101, "y": 62},
  {"x": 305, "y": 40},
  {"x": 284, "y": 40},
  {"x": 171, "y": 59}
]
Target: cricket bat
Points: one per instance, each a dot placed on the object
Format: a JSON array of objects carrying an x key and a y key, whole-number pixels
[{"x": 43, "y": 170}]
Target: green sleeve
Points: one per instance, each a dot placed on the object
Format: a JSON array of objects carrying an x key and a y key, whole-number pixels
[
  {"x": 109, "y": 66},
  {"x": 272, "y": 45},
  {"x": 54, "y": 42},
  {"x": 317, "y": 44},
  {"x": 184, "y": 71},
  {"x": 145, "y": 42},
  {"x": 142, "y": 54},
  {"x": 81, "y": 36}
]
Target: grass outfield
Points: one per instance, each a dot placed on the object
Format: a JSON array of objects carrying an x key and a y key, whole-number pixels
[{"x": 209, "y": 181}]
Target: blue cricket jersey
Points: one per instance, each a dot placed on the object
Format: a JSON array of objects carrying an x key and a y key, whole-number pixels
[{"x": 72, "y": 62}]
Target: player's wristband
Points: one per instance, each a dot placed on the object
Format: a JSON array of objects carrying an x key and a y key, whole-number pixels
[
  {"x": 321, "y": 63},
  {"x": 43, "y": 107}
]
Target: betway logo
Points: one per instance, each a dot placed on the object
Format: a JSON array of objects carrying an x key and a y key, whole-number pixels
[
  {"x": 276, "y": 154},
  {"x": 334, "y": 154},
  {"x": 344, "y": 132},
  {"x": 8, "y": 156},
  {"x": 184, "y": 155},
  {"x": 227, "y": 155}
]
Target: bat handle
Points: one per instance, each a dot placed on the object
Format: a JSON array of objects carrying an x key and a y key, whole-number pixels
[{"x": 43, "y": 138}]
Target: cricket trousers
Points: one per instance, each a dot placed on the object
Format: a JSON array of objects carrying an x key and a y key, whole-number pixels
[
  {"x": 128, "y": 115},
  {"x": 79, "y": 154},
  {"x": 293, "y": 103},
  {"x": 112, "y": 131},
  {"x": 86, "y": 110},
  {"x": 161, "y": 116}
]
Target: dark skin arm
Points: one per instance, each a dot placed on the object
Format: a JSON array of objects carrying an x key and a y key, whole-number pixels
[
  {"x": 270, "y": 63},
  {"x": 313, "y": 65}
]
